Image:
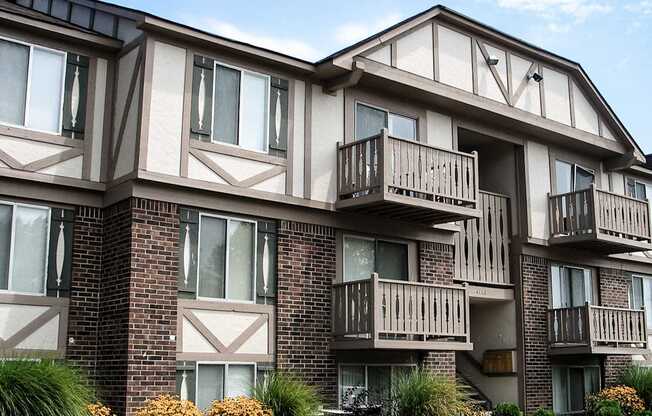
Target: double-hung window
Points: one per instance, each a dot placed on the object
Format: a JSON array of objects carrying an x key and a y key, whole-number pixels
[
  {"x": 369, "y": 121},
  {"x": 368, "y": 383},
  {"x": 227, "y": 258},
  {"x": 571, "y": 385},
  {"x": 640, "y": 295},
  {"x": 364, "y": 256},
  {"x": 32, "y": 84},
  {"x": 636, "y": 189},
  {"x": 205, "y": 382},
  {"x": 24, "y": 231},
  {"x": 571, "y": 286}
]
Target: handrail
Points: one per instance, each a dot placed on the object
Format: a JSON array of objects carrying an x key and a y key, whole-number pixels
[{"x": 602, "y": 191}]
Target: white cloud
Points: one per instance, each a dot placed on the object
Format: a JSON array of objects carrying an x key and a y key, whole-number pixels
[
  {"x": 579, "y": 9},
  {"x": 352, "y": 32},
  {"x": 643, "y": 7},
  {"x": 287, "y": 45},
  {"x": 558, "y": 27}
]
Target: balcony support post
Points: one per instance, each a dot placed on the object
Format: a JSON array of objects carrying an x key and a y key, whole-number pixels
[
  {"x": 376, "y": 306},
  {"x": 384, "y": 168}
]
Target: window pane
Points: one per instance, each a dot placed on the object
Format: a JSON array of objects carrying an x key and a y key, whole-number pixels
[
  {"x": 254, "y": 112},
  {"x": 13, "y": 82},
  {"x": 564, "y": 178},
  {"x": 46, "y": 79},
  {"x": 379, "y": 384},
  {"x": 241, "y": 260},
  {"x": 358, "y": 258},
  {"x": 640, "y": 191},
  {"x": 636, "y": 293},
  {"x": 576, "y": 384},
  {"x": 591, "y": 380},
  {"x": 583, "y": 178},
  {"x": 556, "y": 286},
  {"x": 392, "y": 260},
  {"x": 631, "y": 188},
  {"x": 30, "y": 242},
  {"x": 352, "y": 383},
  {"x": 402, "y": 127},
  {"x": 369, "y": 121},
  {"x": 647, "y": 299},
  {"x": 577, "y": 285},
  {"x": 227, "y": 97},
  {"x": 212, "y": 257},
  {"x": 5, "y": 244},
  {"x": 241, "y": 380},
  {"x": 559, "y": 390},
  {"x": 210, "y": 384}
]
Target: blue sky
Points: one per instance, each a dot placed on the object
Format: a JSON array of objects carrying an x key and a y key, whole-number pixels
[{"x": 611, "y": 39}]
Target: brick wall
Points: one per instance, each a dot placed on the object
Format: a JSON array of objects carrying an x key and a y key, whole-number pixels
[
  {"x": 138, "y": 301},
  {"x": 538, "y": 370},
  {"x": 306, "y": 271},
  {"x": 436, "y": 266},
  {"x": 614, "y": 292},
  {"x": 85, "y": 289}
]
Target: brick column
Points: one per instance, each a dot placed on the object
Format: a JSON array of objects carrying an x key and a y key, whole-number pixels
[
  {"x": 306, "y": 272},
  {"x": 538, "y": 369},
  {"x": 138, "y": 301},
  {"x": 614, "y": 292},
  {"x": 437, "y": 266},
  {"x": 85, "y": 289}
]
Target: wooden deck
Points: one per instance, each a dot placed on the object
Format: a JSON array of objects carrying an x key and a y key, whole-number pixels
[
  {"x": 600, "y": 221},
  {"x": 597, "y": 330},
  {"x": 407, "y": 180},
  {"x": 390, "y": 314}
]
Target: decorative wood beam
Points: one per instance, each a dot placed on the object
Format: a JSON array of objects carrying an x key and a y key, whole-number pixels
[
  {"x": 494, "y": 72},
  {"x": 347, "y": 80}
]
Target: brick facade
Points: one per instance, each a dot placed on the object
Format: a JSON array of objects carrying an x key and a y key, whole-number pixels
[
  {"x": 138, "y": 301},
  {"x": 306, "y": 271},
  {"x": 538, "y": 370},
  {"x": 437, "y": 266}
]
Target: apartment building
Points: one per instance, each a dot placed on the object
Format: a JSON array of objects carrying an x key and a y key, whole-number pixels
[{"x": 202, "y": 210}]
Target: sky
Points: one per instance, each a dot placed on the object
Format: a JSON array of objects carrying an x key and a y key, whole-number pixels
[{"x": 611, "y": 39}]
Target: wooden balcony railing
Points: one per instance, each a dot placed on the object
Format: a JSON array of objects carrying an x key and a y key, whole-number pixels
[
  {"x": 600, "y": 220},
  {"x": 482, "y": 245},
  {"x": 597, "y": 330},
  {"x": 407, "y": 179},
  {"x": 391, "y": 314}
]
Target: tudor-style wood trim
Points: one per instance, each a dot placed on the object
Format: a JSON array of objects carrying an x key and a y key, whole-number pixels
[
  {"x": 207, "y": 356},
  {"x": 52, "y": 160},
  {"x": 523, "y": 84},
  {"x": 37, "y": 136},
  {"x": 571, "y": 102},
  {"x": 203, "y": 330},
  {"x": 542, "y": 93},
  {"x": 107, "y": 130},
  {"x": 144, "y": 105},
  {"x": 185, "y": 120},
  {"x": 247, "y": 333},
  {"x": 494, "y": 72},
  {"x": 474, "y": 64},
  {"x": 435, "y": 51},
  {"x": 8, "y": 160},
  {"x": 30, "y": 328},
  {"x": 289, "y": 177},
  {"x": 508, "y": 57},
  {"x": 307, "y": 146},
  {"x": 237, "y": 152},
  {"x": 262, "y": 176},
  {"x": 90, "y": 122}
]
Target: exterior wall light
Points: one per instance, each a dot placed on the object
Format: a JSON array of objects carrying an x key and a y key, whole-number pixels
[{"x": 492, "y": 60}]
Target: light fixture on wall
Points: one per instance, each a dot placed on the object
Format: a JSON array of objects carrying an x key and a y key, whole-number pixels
[
  {"x": 492, "y": 60},
  {"x": 535, "y": 76}
]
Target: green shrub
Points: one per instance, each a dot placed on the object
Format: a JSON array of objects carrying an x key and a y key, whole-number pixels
[
  {"x": 607, "y": 408},
  {"x": 639, "y": 378},
  {"x": 420, "y": 393},
  {"x": 543, "y": 412},
  {"x": 42, "y": 388},
  {"x": 286, "y": 395},
  {"x": 506, "y": 409},
  {"x": 644, "y": 413}
]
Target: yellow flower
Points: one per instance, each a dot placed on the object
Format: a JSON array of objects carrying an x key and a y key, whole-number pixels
[
  {"x": 98, "y": 409},
  {"x": 166, "y": 405},
  {"x": 628, "y": 398},
  {"x": 239, "y": 406}
]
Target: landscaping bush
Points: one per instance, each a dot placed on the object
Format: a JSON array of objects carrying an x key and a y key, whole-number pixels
[
  {"x": 166, "y": 405},
  {"x": 640, "y": 379},
  {"x": 543, "y": 412},
  {"x": 420, "y": 393},
  {"x": 286, "y": 395},
  {"x": 506, "y": 409},
  {"x": 644, "y": 413},
  {"x": 604, "y": 408},
  {"x": 240, "y": 406},
  {"x": 98, "y": 409},
  {"x": 42, "y": 388},
  {"x": 626, "y": 397}
]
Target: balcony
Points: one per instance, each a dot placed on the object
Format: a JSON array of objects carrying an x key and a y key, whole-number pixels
[
  {"x": 597, "y": 330},
  {"x": 391, "y": 314},
  {"x": 482, "y": 245},
  {"x": 600, "y": 221},
  {"x": 407, "y": 180}
]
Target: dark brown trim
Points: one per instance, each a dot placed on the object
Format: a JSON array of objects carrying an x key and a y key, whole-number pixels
[
  {"x": 90, "y": 120},
  {"x": 185, "y": 122},
  {"x": 37, "y": 136},
  {"x": 52, "y": 160}
]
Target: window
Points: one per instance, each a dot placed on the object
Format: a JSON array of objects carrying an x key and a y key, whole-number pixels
[
  {"x": 241, "y": 108},
  {"x": 32, "y": 83},
  {"x": 24, "y": 231},
  {"x": 572, "y": 177},
  {"x": 227, "y": 258},
  {"x": 571, "y": 286},
  {"x": 205, "y": 382},
  {"x": 636, "y": 189},
  {"x": 372, "y": 383},
  {"x": 571, "y": 385},
  {"x": 364, "y": 256},
  {"x": 369, "y": 121},
  {"x": 640, "y": 294}
]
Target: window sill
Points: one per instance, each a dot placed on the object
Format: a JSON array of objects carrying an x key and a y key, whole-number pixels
[
  {"x": 237, "y": 152},
  {"x": 24, "y": 133}
]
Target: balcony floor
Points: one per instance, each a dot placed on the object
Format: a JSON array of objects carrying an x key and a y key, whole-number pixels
[
  {"x": 601, "y": 243},
  {"x": 575, "y": 349},
  {"x": 398, "y": 344}
]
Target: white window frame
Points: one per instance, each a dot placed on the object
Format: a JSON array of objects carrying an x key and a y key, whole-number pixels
[
  {"x": 567, "y": 368},
  {"x": 31, "y": 47},
  {"x": 570, "y": 266},
  {"x": 574, "y": 166},
  {"x": 242, "y": 71},
  {"x": 14, "y": 205},
  {"x": 389, "y": 119},
  {"x": 630, "y": 302},
  {"x": 375, "y": 240},
  {"x": 228, "y": 220},
  {"x": 366, "y": 374},
  {"x": 636, "y": 182},
  {"x": 226, "y": 373}
]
